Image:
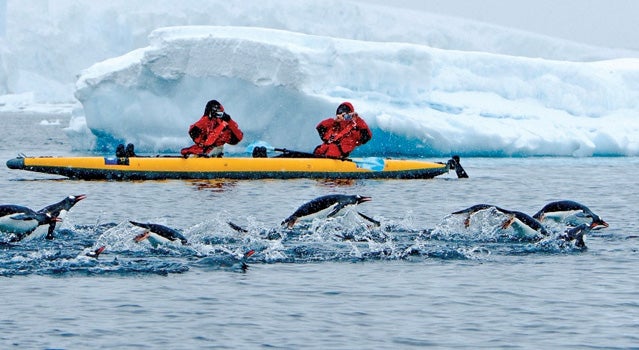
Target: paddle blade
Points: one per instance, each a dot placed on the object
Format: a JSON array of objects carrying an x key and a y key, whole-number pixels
[
  {"x": 370, "y": 163},
  {"x": 454, "y": 164}
]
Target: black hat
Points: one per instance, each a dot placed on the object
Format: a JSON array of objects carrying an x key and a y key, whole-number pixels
[
  {"x": 345, "y": 107},
  {"x": 212, "y": 107}
]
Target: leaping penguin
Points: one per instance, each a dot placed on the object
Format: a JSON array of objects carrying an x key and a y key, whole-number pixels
[
  {"x": 60, "y": 210},
  {"x": 529, "y": 226},
  {"x": 571, "y": 213},
  {"x": 22, "y": 221},
  {"x": 328, "y": 206},
  {"x": 158, "y": 234}
]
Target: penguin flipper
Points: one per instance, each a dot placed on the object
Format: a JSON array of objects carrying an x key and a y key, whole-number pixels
[
  {"x": 238, "y": 228},
  {"x": 23, "y": 217},
  {"x": 375, "y": 222},
  {"x": 335, "y": 210},
  {"x": 140, "y": 224},
  {"x": 182, "y": 239}
]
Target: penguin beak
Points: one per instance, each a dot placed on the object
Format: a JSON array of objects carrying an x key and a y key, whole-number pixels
[
  {"x": 80, "y": 197},
  {"x": 364, "y": 199},
  {"x": 598, "y": 224},
  {"x": 142, "y": 236}
]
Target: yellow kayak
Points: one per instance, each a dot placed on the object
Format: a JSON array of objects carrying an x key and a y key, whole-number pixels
[{"x": 173, "y": 167}]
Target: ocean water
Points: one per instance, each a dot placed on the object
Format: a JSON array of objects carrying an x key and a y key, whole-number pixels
[{"x": 419, "y": 280}]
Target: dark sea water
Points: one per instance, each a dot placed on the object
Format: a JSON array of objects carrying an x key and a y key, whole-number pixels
[{"x": 420, "y": 280}]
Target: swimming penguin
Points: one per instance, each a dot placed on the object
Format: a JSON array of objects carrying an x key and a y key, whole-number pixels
[
  {"x": 474, "y": 209},
  {"x": 571, "y": 213},
  {"x": 60, "y": 210},
  {"x": 524, "y": 223},
  {"x": 328, "y": 206},
  {"x": 577, "y": 234},
  {"x": 158, "y": 234},
  {"x": 22, "y": 221}
]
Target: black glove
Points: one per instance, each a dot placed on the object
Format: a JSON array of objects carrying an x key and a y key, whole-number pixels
[{"x": 226, "y": 117}]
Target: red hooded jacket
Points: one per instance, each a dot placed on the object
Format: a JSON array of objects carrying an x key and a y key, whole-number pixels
[
  {"x": 208, "y": 133},
  {"x": 341, "y": 136}
]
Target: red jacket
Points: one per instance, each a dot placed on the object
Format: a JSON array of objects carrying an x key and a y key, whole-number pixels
[
  {"x": 208, "y": 133},
  {"x": 341, "y": 136},
  {"x": 213, "y": 132}
]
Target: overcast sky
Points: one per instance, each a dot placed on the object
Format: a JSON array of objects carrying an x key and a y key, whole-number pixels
[{"x": 610, "y": 23}]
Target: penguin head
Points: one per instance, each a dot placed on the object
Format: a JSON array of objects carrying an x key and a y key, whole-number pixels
[
  {"x": 361, "y": 199},
  {"x": 597, "y": 223},
  {"x": 72, "y": 200},
  {"x": 77, "y": 198}
]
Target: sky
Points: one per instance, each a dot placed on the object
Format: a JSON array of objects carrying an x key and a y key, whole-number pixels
[{"x": 608, "y": 23}]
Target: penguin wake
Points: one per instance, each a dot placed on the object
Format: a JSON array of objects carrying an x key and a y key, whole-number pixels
[{"x": 328, "y": 228}]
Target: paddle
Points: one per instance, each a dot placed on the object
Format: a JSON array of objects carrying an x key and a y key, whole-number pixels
[
  {"x": 370, "y": 163},
  {"x": 454, "y": 164}
]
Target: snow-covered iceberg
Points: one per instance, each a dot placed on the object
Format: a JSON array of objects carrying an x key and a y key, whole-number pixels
[{"x": 419, "y": 100}]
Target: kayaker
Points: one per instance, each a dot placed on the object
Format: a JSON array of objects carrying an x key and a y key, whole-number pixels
[
  {"x": 343, "y": 133},
  {"x": 212, "y": 131}
]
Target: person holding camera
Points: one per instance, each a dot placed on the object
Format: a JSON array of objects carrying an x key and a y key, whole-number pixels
[
  {"x": 212, "y": 131},
  {"x": 343, "y": 133}
]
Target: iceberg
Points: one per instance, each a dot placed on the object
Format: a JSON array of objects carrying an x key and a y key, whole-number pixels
[{"x": 419, "y": 101}]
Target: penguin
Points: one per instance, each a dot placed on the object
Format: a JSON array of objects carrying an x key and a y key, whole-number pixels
[
  {"x": 231, "y": 261},
  {"x": 522, "y": 222},
  {"x": 60, "y": 210},
  {"x": 570, "y": 213},
  {"x": 158, "y": 234},
  {"x": 474, "y": 209},
  {"x": 576, "y": 234},
  {"x": 328, "y": 206},
  {"x": 22, "y": 221}
]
